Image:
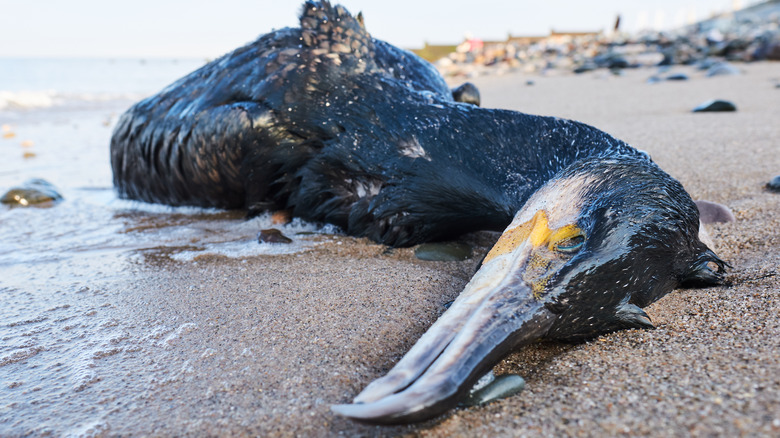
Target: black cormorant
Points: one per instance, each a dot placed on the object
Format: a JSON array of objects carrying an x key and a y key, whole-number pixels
[{"x": 335, "y": 126}]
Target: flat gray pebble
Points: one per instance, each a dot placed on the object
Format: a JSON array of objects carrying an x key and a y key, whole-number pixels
[
  {"x": 443, "y": 251},
  {"x": 722, "y": 69},
  {"x": 712, "y": 212},
  {"x": 715, "y": 106},
  {"x": 677, "y": 77},
  {"x": 32, "y": 192},
  {"x": 774, "y": 184},
  {"x": 272, "y": 235}
]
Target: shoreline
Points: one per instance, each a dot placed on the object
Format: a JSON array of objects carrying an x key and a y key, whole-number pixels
[{"x": 263, "y": 345}]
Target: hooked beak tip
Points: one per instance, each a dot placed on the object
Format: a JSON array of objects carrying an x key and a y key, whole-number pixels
[{"x": 342, "y": 409}]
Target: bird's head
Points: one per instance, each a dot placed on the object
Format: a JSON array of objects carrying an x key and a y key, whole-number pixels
[{"x": 600, "y": 240}]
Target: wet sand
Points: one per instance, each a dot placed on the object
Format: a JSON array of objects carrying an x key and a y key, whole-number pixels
[{"x": 263, "y": 345}]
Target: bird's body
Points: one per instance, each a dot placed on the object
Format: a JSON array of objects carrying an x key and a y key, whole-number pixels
[
  {"x": 366, "y": 142},
  {"x": 338, "y": 127}
]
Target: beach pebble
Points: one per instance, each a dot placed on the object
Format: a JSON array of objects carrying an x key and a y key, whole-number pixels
[
  {"x": 466, "y": 93},
  {"x": 617, "y": 62},
  {"x": 774, "y": 184},
  {"x": 32, "y": 192},
  {"x": 502, "y": 386},
  {"x": 712, "y": 212},
  {"x": 272, "y": 235},
  {"x": 706, "y": 63},
  {"x": 722, "y": 69},
  {"x": 677, "y": 77},
  {"x": 587, "y": 66},
  {"x": 443, "y": 251},
  {"x": 714, "y": 106}
]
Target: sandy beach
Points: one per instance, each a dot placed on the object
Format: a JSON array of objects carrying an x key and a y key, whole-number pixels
[{"x": 263, "y": 345}]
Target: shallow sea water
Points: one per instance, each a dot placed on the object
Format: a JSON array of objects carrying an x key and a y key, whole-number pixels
[{"x": 54, "y": 328}]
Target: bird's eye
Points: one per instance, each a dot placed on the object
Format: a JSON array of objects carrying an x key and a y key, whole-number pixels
[{"x": 570, "y": 244}]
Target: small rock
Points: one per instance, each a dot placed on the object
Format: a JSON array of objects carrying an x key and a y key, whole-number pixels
[
  {"x": 503, "y": 386},
  {"x": 272, "y": 235},
  {"x": 654, "y": 79},
  {"x": 27, "y": 143},
  {"x": 617, "y": 62},
  {"x": 443, "y": 251},
  {"x": 677, "y": 77},
  {"x": 466, "y": 93},
  {"x": 714, "y": 106},
  {"x": 712, "y": 212},
  {"x": 529, "y": 82},
  {"x": 774, "y": 184},
  {"x": 587, "y": 66},
  {"x": 706, "y": 63},
  {"x": 32, "y": 192},
  {"x": 722, "y": 69}
]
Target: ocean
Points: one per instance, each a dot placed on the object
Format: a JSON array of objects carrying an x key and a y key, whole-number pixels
[{"x": 56, "y": 117}]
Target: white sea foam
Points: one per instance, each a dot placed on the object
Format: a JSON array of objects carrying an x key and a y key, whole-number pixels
[
  {"x": 27, "y": 84},
  {"x": 35, "y": 99},
  {"x": 26, "y": 99}
]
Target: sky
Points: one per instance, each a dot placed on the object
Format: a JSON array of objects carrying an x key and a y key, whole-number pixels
[{"x": 210, "y": 28}]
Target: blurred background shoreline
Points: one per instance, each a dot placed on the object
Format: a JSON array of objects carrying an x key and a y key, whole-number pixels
[{"x": 126, "y": 318}]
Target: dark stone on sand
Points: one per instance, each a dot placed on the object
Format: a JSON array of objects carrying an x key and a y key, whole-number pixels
[
  {"x": 611, "y": 61},
  {"x": 654, "y": 79},
  {"x": 443, "y": 251},
  {"x": 617, "y": 62},
  {"x": 712, "y": 212},
  {"x": 715, "y": 106},
  {"x": 503, "y": 386},
  {"x": 33, "y": 192},
  {"x": 529, "y": 82},
  {"x": 722, "y": 69},
  {"x": 272, "y": 235},
  {"x": 677, "y": 77},
  {"x": 587, "y": 66},
  {"x": 466, "y": 93},
  {"x": 706, "y": 63},
  {"x": 774, "y": 184}
]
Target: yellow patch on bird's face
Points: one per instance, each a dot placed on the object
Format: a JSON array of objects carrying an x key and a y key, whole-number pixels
[
  {"x": 540, "y": 229},
  {"x": 537, "y": 231},
  {"x": 512, "y": 238}
]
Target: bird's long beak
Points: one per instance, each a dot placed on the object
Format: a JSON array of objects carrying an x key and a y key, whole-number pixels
[{"x": 495, "y": 313}]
